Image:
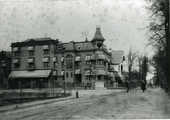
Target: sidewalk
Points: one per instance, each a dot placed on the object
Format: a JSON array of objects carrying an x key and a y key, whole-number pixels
[{"x": 81, "y": 94}]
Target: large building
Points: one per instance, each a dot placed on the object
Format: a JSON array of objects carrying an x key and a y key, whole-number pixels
[{"x": 47, "y": 60}]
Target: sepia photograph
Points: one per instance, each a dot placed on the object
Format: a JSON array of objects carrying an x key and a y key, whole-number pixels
[{"x": 84, "y": 59}]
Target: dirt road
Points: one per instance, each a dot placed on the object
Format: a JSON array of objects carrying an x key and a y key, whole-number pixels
[{"x": 154, "y": 103}]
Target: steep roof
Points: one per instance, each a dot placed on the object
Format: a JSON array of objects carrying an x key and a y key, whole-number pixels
[
  {"x": 117, "y": 56},
  {"x": 98, "y": 35},
  {"x": 7, "y": 53}
]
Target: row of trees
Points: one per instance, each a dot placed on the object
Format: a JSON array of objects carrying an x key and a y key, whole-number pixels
[{"x": 159, "y": 39}]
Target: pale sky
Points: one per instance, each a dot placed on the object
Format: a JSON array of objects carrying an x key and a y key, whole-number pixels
[{"x": 122, "y": 22}]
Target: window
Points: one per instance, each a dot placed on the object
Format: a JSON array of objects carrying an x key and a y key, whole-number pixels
[
  {"x": 16, "y": 63},
  {"x": 88, "y": 63},
  {"x": 66, "y": 74},
  {"x": 16, "y": 53},
  {"x": 69, "y": 62},
  {"x": 87, "y": 77},
  {"x": 99, "y": 77},
  {"x": 46, "y": 51},
  {"x": 71, "y": 74},
  {"x": 31, "y": 52},
  {"x": 46, "y": 64},
  {"x": 46, "y": 61},
  {"x": 99, "y": 62}
]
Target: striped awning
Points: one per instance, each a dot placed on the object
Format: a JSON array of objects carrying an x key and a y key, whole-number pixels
[
  {"x": 62, "y": 58},
  {"x": 46, "y": 47},
  {"x": 87, "y": 58},
  {"x": 30, "y": 48},
  {"x": 87, "y": 72},
  {"x": 77, "y": 71},
  {"x": 62, "y": 73},
  {"x": 78, "y": 58},
  {"x": 101, "y": 72},
  {"x": 46, "y": 59},
  {"x": 15, "y": 49},
  {"x": 101, "y": 57},
  {"x": 30, "y": 60},
  {"x": 16, "y": 61},
  {"x": 55, "y": 59}
]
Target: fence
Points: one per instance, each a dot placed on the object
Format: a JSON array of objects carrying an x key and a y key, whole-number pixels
[{"x": 37, "y": 91}]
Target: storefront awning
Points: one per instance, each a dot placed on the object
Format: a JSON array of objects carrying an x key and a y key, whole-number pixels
[
  {"x": 30, "y": 48},
  {"x": 30, "y": 74},
  {"x": 77, "y": 58},
  {"x": 77, "y": 71}
]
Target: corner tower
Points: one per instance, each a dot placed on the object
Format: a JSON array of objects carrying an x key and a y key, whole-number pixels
[{"x": 98, "y": 39}]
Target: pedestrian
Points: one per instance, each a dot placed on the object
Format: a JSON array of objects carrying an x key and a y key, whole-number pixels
[
  {"x": 127, "y": 86},
  {"x": 143, "y": 86}
]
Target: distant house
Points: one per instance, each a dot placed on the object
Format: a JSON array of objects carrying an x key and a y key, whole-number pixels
[
  {"x": 5, "y": 68},
  {"x": 118, "y": 58}
]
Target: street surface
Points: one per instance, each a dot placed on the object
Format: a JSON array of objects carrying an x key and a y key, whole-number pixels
[{"x": 95, "y": 104}]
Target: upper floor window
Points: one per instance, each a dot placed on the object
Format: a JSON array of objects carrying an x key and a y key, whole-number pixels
[
  {"x": 66, "y": 74},
  {"x": 69, "y": 61},
  {"x": 88, "y": 62},
  {"x": 31, "y": 50},
  {"x": 46, "y": 61},
  {"x": 88, "y": 57},
  {"x": 16, "y": 51},
  {"x": 46, "y": 49},
  {"x": 99, "y": 62},
  {"x": 16, "y": 63}
]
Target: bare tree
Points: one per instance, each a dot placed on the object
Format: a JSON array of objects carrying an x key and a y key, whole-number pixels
[
  {"x": 132, "y": 55},
  {"x": 159, "y": 31}
]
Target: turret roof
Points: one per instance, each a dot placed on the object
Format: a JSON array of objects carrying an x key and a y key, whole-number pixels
[{"x": 98, "y": 35}]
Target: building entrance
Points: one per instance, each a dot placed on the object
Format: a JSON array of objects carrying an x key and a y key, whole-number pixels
[{"x": 78, "y": 79}]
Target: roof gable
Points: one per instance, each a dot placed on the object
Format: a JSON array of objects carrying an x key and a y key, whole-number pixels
[{"x": 117, "y": 56}]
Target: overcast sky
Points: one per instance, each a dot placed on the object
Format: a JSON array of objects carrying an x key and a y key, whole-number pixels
[{"x": 122, "y": 22}]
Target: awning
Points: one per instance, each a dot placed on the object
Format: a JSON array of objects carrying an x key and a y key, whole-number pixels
[
  {"x": 15, "y": 49},
  {"x": 77, "y": 58},
  {"x": 77, "y": 71},
  {"x": 108, "y": 60},
  {"x": 101, "y": 57},
  {"x": 101, "y": 72},
  {"x": 62, "y": 73},
  {"x": 45, "y": 59},
  {"x": 87, "y": 58},
  {"x": 15, "y": 61},
  {"x": 30, "y": 74},
  {"x": 30, "y": 60},
  {"x": 55, "y": 73},
  {"x": 55, "y": 59},
  {"x": 46, "y": 47},
  {"x": 93, "y": 57},
  {"x": 30, "y": 48},
  {"x": 62, "y": 59},
  {"x": 87, "y": 72},
  {"x": 111, "y": 74}
]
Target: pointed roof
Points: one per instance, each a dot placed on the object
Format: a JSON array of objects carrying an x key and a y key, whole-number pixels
[{"x": 98, "y": 35}]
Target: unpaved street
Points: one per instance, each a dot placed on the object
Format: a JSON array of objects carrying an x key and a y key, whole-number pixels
[{"x": 154, "y": 103}]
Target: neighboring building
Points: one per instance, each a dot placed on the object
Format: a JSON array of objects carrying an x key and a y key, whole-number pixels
[
  {"x": 118, "y": 58},
  {"x": 5, "y": 68},
  {"x": 46, "y": 60}
]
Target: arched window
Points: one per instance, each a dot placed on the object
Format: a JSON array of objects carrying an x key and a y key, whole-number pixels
[{"x": 69, "y": 61}]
